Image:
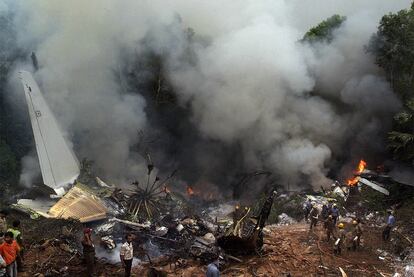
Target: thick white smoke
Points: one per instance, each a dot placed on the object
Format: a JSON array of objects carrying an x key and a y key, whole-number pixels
[
  {"x": 253, "y": 82},
  {"x": 291, "y": 106},
  {"x": 79, "y": 48}
]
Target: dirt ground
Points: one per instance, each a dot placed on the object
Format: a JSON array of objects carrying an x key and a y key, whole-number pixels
[
  {"x": 288, "y": 250},
  {"x": 296, "y": 251}
]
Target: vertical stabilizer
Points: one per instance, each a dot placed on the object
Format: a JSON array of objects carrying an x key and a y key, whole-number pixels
[{"x": 58, "y": 163}]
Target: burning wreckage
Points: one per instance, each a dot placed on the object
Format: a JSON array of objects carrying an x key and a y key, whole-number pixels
[
  {"x": 159, "y": 217},
  {"x": 169, "y": 227}
]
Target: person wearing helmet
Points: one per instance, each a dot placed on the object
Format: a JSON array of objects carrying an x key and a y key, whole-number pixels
[
  {"x": 330, "y": 228},
  {"x": 335, "y": 213},
  {"x": 88, "y": 251},
  {"x": 340, "y": 239},
  {"x": 356, "y": 233},
  {"x": 388, "y": 228},
  {"x": 314, "y": 215}
]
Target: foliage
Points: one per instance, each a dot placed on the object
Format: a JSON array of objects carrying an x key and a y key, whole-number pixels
[
  {"x": 292, "y": 206},
  {"x": 376, "y": 201},
  {"x": 405, "y": 213},
  {"x": 324, "y": 30},
  {"x": 14, "y": 139},
  {"x": 393, "y": 48},
  {"x": 8, "y": 163},
  {"x": 373, "y": 200},
  {"x": 401, "y": 139},
  {"x": 402, "y": 145}
]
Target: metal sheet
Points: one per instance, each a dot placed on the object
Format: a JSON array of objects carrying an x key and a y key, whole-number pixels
[
  {"x": 373, "y": 185},
  {"x": 79, "y": 204}
]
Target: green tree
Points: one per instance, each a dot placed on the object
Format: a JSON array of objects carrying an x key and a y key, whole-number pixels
[
  {"x": 393, "y": 48},
  {"x": 324, "y": 31},
  {"x": 401, "y": 139}
]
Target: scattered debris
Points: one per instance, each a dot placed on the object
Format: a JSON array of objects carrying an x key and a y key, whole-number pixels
[
  {"x": 250, "y": 237},
  {"x": 106, "y": 228},
  {"x": 79, "y": 204},
  {"x": 373, "y": 185},
  {"x": 343, "y": 274},
  {"x": 409, "y": 271},
  {"x": 284, "y": 219},
  {"x": 108, "y": 242}
]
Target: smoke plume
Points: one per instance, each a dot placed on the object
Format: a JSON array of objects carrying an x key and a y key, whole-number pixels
[{"x": 249, "y": 94}]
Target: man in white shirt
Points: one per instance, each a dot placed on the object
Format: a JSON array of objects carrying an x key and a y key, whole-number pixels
[{"x": 127, "y": 254}]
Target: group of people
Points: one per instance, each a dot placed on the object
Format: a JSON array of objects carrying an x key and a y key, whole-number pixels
[
  {"x": 11, "y": 243},
  {"x": 126, "y": 253},
  {"x": 312, "y": 212},
  {"x": 351, "y": 239},
  {"x": 343, "y": 236},
  {"x": 11, "y": 247}
]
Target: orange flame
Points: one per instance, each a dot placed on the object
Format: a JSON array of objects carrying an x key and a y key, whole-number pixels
[
  {"x": 361, "y": 166},
  {"x": 352, "y": 182},
  {"x": 190, "y": 191}
]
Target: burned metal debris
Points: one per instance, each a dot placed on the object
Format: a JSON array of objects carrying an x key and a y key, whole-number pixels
[
  {"x": 142, "y": 203},
  {"x": 246, "y": 234}
]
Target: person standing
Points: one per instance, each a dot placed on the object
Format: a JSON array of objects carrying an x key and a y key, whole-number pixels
[
  {"x": 127, "y": 254},
  {"x": 9, "y": 250},
  {"x": 88, "y": 251},
  {"x": 330, "y": 228},
  {"x": 17, "y": 236},
  {"x": 335, "y": 213},
  {"x": 388, "y": 228},
  {"x": 325, "y": 212},
  {"x": 357, "y": 233},
  {"x": 314, "y": 214},
  {"x": 340, "y": 240}
]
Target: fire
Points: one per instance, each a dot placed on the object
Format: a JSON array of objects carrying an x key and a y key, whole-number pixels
[
  {"x": 352, "y": 182},
  {"x": 190, "y": 191},
  {"x": 361, "y": 166}
]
